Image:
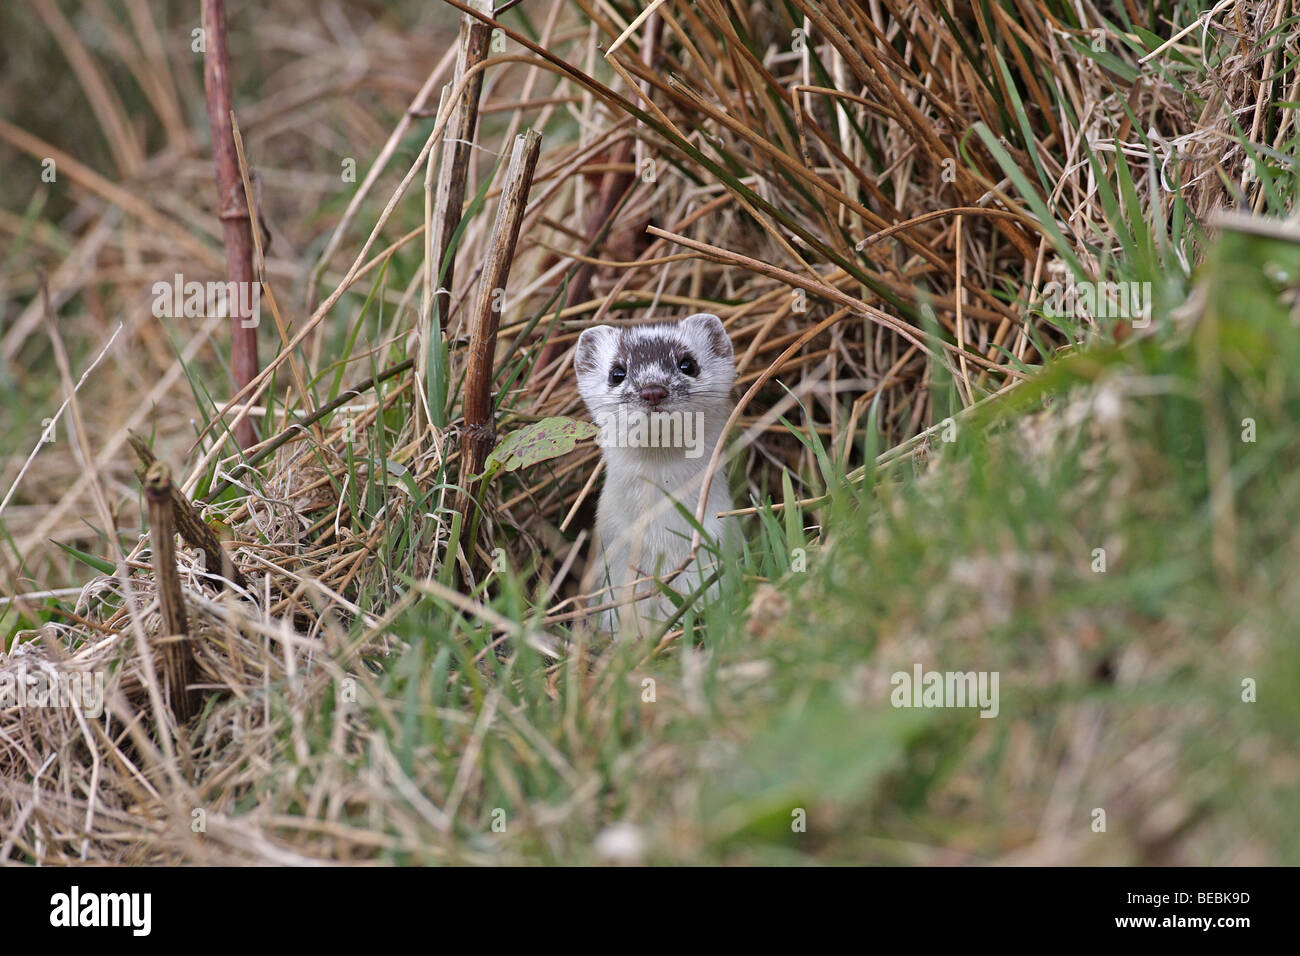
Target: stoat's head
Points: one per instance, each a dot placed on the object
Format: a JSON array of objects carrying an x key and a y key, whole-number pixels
[{"x": 685, "y": 366}]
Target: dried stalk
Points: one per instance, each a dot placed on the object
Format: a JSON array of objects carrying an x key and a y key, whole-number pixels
[
  {"x": 191, "y": 525},
  {"x": 236, "y": 224},
  {"x": 479, "y": 434},
  {"x": 457, "y": 150},
  {"x": 177, "y": 653}
]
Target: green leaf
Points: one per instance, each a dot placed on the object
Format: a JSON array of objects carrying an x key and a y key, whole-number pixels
[
  {"x": 98, "y": 563},
  {"x": 540, "y": 441}
]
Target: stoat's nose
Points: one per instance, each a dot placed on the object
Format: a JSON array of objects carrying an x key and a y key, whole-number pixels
[{"x": 653, "y": 394}]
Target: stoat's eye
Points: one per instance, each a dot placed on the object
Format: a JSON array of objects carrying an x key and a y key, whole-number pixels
[
  {"x": 617, "y": 374},
  {"x": 688, "y": 366}
]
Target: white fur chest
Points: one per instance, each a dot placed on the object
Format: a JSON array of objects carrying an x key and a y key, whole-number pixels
[{"x": 638, "y": 523}]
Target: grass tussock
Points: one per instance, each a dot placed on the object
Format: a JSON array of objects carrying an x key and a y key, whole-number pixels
[{"x": 876, "y": 199}]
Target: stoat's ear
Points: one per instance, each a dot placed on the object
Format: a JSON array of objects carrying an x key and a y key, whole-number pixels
[
  {"x": 591, "y": 344},
  {"x": 708, "y": 327}
]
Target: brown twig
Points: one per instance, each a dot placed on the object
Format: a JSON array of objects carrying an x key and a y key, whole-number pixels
[
  {"x": 443, "y": 220},
  {"x": 479, "y": 429},
  {"x": 456, "y": 152},
  {"x": 177, "y": 653},
  {"x": 190, "y": 523},
  {"x": 236, "y": 224}
]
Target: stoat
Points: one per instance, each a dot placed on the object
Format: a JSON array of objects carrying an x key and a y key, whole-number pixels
[{"x": 661, "y": 395}]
